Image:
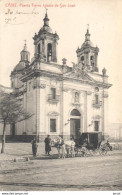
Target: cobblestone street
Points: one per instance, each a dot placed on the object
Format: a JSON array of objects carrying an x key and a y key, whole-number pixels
[{"x": 43, "y": 173}]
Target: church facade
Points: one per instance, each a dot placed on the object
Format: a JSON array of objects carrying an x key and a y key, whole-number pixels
[{"x": 64, "y": 100}]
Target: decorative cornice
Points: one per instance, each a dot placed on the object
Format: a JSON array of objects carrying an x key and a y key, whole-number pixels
[
  {"x": 92, "y": 83},
  {"x": 38, "y": 72}
]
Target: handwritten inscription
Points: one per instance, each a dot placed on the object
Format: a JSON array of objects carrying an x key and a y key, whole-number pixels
[
  {"x": 11, "y": 15},
  {"x": 10, "y": 12},
  {"x": 13, "y": 11}
]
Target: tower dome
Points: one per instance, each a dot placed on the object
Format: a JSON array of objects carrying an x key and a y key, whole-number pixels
[
  {"x": 46, "y": 26},
  {"x": 47, "y": 29},
  {"x": 87, "y": 41},
  {"x": 20, "y": 66},
  {"x": 24, "y": 61}
]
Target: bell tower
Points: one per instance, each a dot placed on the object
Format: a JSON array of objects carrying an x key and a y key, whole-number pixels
[
  {"x": 87, "y": 54},
  {"x": 46, "y": 43}
]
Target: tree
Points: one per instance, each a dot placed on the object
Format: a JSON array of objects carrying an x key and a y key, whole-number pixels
[{"x": 11, "y": 111}]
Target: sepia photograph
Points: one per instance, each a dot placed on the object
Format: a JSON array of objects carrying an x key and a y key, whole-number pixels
[{"x": 60, "y": 96}]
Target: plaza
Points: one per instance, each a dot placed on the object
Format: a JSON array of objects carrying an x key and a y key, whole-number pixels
[{"x": 45, "y": 173}]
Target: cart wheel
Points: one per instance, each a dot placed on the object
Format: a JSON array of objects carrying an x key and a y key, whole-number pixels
[
  {"x": 91, "y": 152},
  {"x": 103, "y": 152},
  {"x": 84, "y": 154},
  {"x": 94, "y": 152},
  {"x": 87, "y": 152}
]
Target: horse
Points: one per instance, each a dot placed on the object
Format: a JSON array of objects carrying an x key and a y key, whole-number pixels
[
  {"x": 59, "y": 144},
  {"x": 70, "y": 147},
  {"x": 64, "y": 147}
]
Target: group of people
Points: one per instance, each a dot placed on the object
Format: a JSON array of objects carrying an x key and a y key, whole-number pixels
[
  {"x": 47, "y": 145},
  {"x": 64, "y": 147},
  {"x": 47, "y": 140}
]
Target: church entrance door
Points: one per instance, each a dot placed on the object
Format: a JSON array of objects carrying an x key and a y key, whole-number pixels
[
  {"x": 75, "y": 118},
  {"x": 74, "y": 128}
]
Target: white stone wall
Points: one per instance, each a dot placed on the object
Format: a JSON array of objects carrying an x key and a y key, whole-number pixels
[
  {"x": 30, "y": 107},
  {"x": 51, "y": 109},
  {"x": 28, "y": 126},
  {"x": 35, "y": 100}
]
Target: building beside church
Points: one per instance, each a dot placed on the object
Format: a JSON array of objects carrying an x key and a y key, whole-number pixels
[{"x": 65, "y": 100}]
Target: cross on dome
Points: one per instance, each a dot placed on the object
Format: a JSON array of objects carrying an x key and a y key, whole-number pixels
[{"x": 25, "y": 47}]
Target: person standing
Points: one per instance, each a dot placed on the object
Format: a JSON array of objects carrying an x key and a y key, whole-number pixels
[
  {"x": 47, "y": 145},
  {"x": 72, "y": 147},
  {"x": 34, "y": 146}
]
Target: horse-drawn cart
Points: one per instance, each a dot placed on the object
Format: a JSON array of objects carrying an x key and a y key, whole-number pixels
[
  {"x": 88, "y": 144},
  {"x": 91, "y": 143}
]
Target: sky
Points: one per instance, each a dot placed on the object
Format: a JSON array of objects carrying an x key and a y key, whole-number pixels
[{"x": 20, "y": 20}]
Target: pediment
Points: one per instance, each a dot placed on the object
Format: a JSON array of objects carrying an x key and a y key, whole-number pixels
[
  {"x": 81, "y": 75},
  {"x": 53, "y": 114}
]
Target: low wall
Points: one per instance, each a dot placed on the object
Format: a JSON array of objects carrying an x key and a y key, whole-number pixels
[
  {"x": 18, "y": 138},
  {"x": 116, "y": 145},
  {"x": 29, "y": 138}
]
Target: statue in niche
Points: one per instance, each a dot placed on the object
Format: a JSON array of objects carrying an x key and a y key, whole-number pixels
[{"x": 76, "y": 97}]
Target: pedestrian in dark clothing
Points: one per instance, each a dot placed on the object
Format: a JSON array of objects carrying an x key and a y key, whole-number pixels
[
  {"x": 47, "y": 145},
  {"x": 34, "y": 146}
]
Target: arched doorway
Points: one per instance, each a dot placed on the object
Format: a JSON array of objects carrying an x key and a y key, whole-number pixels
[{"x": 75, "y": 120}]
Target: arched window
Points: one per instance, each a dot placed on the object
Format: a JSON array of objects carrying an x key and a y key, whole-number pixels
[
  {"x": 49, "y": 52},
  {"x": 92, "y": 60},
  {"x": 26, "y": 57},
  {"x": 91, "y": 57},
  {"x": 39, "y": 48},
  {"x": 76, "y": 97},
  {"x": 43, "y": 46},
  {"x": 75, "y": 112},
  {"x": 82, "y": 59}
]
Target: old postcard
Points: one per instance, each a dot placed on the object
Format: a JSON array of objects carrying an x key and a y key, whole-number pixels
[{"x": 60, "y": 96}]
